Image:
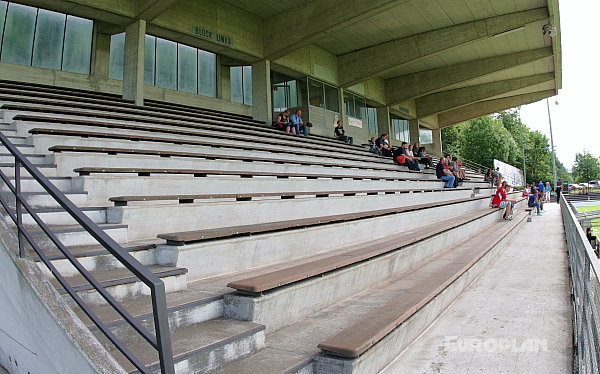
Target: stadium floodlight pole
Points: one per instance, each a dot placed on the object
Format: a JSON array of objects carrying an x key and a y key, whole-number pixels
[{"x": 552, "y": 143}]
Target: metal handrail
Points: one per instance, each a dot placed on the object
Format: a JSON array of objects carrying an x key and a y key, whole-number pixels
[
  {"x": 585, "y": 284},
  {"x": 161, "y": 340}
]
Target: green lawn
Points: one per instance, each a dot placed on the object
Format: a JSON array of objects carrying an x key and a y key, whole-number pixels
[{"x": 595, "y": 224}]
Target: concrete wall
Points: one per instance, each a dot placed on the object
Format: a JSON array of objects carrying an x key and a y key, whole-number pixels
[{"x": 36, "y": 326}]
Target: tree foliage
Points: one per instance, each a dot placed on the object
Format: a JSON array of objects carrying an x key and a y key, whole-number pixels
[
  {"x": 504, "y": 137},
  {"x": 586, "y": 168}
]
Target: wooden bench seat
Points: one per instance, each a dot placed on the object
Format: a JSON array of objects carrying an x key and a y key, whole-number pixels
[
  {"x": 211, "y": 156},
  {"x": 242, "y": 173},
  {"x": 156, "y": 139},
  {"x": 280, "y": 278},
  {"x": 184, "y": 199},
  {"x": 182, "y": 238},
  {"x": 423, "y": 284}
]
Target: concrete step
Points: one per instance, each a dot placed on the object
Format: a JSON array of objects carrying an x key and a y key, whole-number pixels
[
  {"x": 150, "y": 219},
  {"x": 75, "y": 235},
  {"x": 203, "y": 347},
  {"x": 121, "y": 284},
  {"x": 36, "y": 159},
  {"x": 97, "y": 258},
  {"x": 414, "y": 247},
  {"x": 49, "y": 170},
  {"x": 58, "y": 216},
  {"x": 44, "y": 200},
  {"x": 29, "y": 184},
  {"x": 246, "y": 252}
]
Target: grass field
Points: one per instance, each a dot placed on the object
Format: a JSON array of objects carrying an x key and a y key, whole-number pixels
[{"x": 596, "y": 223}]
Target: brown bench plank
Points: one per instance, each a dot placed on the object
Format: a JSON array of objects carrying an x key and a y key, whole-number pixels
[
  {"x": 69, "y": 148},
  {"x": 181, "y": 238},
  {"x": 422, "y": 287},
  {"x": 275, "y": 279}
]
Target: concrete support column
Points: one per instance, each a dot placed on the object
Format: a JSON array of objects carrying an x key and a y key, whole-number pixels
[
  {"x": 133, "y": 69},
  {"x": 413, "y": 131},
  {"x": 384, "y": 125},
  {"x": 437, "y": 142},
  {"x": 101, "y": 55},
  {"x": 262, "y": 106}
]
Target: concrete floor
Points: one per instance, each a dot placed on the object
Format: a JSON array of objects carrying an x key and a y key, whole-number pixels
[{"x": 516, "y": 318}]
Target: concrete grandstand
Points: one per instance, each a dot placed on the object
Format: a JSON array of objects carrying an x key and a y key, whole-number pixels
[{"x": 153, "y": 221}]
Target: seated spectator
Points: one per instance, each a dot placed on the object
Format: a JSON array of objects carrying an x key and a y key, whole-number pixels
[
  {"x": 384, "y": 144},
  {"x": 496, "y": 177},
  {"x": 282, "y": 122},
  {"x": 410, "y": 161},
  {"x": 455, "y": 166},
  {"x": 526, "y": 191},
  {"x": 424, "y": 157},
  {"x": 373, "y": 147},
  {"x": 444, "y": 174},
  {"x": 298, "y": 123},
  {"x": 532, "y": 201},
  {"x": 499, "y": 200},
  {"x": 488, "y": 176},
  {"x": 339, "y": 133}
]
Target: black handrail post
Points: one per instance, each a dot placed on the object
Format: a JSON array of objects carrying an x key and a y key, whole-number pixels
[
  {"x": 19, "y": 209},
  {"x": 161, "y": 325}
]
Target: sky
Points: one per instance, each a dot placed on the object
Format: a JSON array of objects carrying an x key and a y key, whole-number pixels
[{"x": 576, "y": 117}]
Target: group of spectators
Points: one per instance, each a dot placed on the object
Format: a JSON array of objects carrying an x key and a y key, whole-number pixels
[
  {"x": 536, "y": 196},
  {"x": 450, "y": 170},
  {"x": 293, "y": 124}
]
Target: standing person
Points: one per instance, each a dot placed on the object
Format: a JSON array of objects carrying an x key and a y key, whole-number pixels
[
  {"x": 496, "y": 177},
  {"x": 384, "y": 144},
  {"x": 547, "y": 190},
  {"x": 339, "y": 133},
  {"x": 444, "y": 174},
  {"x": 541, "y": 189},
  {"x": 298, "y": 123},
  {"x": 558, "y": 191}
]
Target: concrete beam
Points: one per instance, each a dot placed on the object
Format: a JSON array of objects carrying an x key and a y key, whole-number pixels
[
  {"x": 491, "y": 106},
  {"x": 150, "y": 9},
  {"x": 452, "y": 99},
  {"x": 419, "y": 84},
  {"x": 309, "y": 22},
  {"x": 361, "y": 65}
]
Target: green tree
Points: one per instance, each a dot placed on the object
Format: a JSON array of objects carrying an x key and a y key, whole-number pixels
[
  {"x": 538, "y": 158},
  {"x": 511, "y": 120},
  {"x": 586, "y": 168},
  {"x": 484, "y": 139},
  {"x": 451, "y": 139}
]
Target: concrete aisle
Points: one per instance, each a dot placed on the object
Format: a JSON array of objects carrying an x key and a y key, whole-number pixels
[{"x": 516, "y": 318}]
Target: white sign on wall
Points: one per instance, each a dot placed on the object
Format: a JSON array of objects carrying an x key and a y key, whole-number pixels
[
  {"x": 355, "y": 122},
  {"x": 511, "y": 174}
]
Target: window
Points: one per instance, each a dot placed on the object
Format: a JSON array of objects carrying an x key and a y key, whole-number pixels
[
  {"x": 285, "y": 95},
  {"x": 372, "y": 119},
  {"x": 241, "y": 84},
  {"x": 425, "y": 135},
  {"x": 400, "y": 130},
  {"x": 41, "y": 38},
  {"x": 349, "y": 104},
  {"x": 169, "y": 65},
  {"x": 355, "y": 106}
]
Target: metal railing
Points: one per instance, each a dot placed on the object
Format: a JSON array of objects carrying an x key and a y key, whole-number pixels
[
  {"x": 585, "y": 287},
  {"x": 161, "y": 339}
]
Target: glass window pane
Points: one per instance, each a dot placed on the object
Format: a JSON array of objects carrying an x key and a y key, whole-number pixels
[
  {"x": 48, "y": 43},
  {"x": 117, "y": 56},
  {"x": 207, "y": 73},
  {"x": 149, "y": 62},
  {"x": 292, "y": 94},
  {"x": 372, "y": 114},
  {"x": 279, "y": 95},
  {"x": 3, "y": 6},
  {"x": 361, "y": 107},
  {"x": 332, "y": 101},
  {"x": 349, "y": 104},
  {"x": 315, "y": 93},
  {"x": 247, "y": 80},
  {"x": 235, "y": 75},
  {"x": 425, "y": 136},
  {"x": 166, "y": 64},
  {"x": 78, "y": 45},
  {"x": 187, "y": 69},
  {"x": 18, "y": 37}
]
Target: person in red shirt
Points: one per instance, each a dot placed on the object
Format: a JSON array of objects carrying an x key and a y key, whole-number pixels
[{"x": 500, "y": 200}]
